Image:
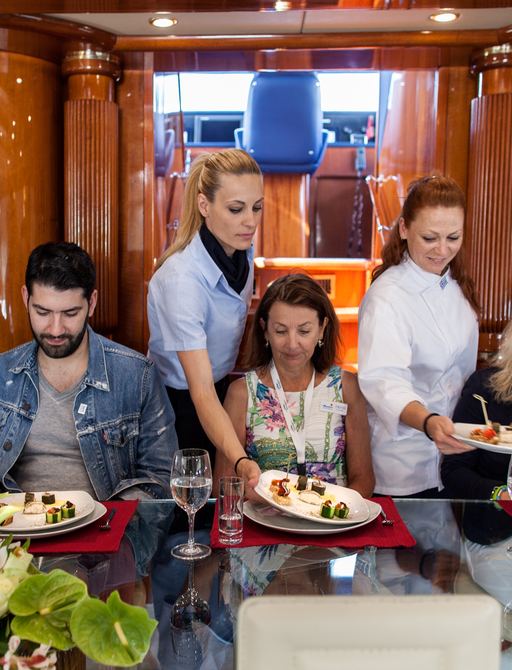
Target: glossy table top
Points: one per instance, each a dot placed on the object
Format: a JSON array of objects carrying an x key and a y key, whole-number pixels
[{"x": 461, "y": 548}]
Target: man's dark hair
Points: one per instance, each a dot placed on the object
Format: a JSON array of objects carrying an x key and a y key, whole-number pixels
[{"x": 62, "y": 266}]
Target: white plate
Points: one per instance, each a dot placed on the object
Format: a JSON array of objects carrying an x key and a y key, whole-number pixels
[
  {"x": 463, "y": 431},
  {"x": 98, "y": 511},
  {"x": 270, "y": 517},
  {"x": 358, "y": 509},
  {"x": 21, "y": 522}
]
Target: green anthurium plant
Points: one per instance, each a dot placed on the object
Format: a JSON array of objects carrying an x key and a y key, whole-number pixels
[{"x": 55, "y": 611}]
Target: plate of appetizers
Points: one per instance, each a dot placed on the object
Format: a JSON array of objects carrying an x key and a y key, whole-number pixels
[
  {"x": 498, "y": 438},
  {"x": 43, "y": 511},
  {"x": 43, "y": 533},
  {"x": 265, "y": 515},
  {"x": 312, "y": 499}
]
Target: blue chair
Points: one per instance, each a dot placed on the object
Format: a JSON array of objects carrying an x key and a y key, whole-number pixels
[{"x": 283, "y": 122}]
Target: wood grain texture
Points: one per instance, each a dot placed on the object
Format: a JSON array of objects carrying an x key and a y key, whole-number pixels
[
  {"x": 409, "y": 141},
  {"x": 91, "y": 195},
  {"x": 132, "y": 210},
  {"x": 285, "y": 225},
  {"x": 347, "y": 40},
  {"x": 489, "y": 208},
  {"x": 30, "y": 150}
]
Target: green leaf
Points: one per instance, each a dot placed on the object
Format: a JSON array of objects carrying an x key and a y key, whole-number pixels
[
  {"x": 43, "y": 605},
  {"x": 112, "y": 633},
  {"x": 43, "y": 630}
]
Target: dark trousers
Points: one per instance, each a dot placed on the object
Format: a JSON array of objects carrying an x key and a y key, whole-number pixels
[
  {"x": 192, "y": 436},
  {"x": 188, "y": 427}
]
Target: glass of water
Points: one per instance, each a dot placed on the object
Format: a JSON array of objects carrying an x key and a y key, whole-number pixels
[
  {"x": 191, "y": 485},
  {"x": 231, "y": 509}
]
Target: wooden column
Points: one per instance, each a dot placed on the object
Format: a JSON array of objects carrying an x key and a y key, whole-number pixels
[
  {"x": 91, "y": 157},
  {"x": 490, "y": 192},
  {"x": 285, "y": 229}
]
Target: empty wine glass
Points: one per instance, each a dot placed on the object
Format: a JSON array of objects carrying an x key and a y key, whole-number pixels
[{"x": 191, "y": 484}]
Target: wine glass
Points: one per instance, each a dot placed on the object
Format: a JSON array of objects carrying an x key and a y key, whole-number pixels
[{"x": 191, "y": 484}]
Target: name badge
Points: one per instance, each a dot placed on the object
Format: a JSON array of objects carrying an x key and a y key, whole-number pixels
[
  {"x": 82, "y": 409},
  {"x": 334, "y": 407}
]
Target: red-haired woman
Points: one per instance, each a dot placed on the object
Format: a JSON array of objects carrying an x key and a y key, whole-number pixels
[{"x": 418, "y": 337}]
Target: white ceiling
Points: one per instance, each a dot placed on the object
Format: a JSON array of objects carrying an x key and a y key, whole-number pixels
[{"x": 292, "y": 22}]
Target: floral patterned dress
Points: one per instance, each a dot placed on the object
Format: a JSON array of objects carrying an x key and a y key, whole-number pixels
[{"x": 268, "y": 439}]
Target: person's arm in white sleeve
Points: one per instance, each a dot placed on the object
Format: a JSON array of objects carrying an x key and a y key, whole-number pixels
[{"x": 385, "y": 378}]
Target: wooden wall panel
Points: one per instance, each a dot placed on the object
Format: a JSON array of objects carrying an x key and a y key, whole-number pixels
[
  {"x": 30, "y": 193},
  {"x": 409, "y": 142},
  {"x": 135, "y": 171},
  {"x": 456, "y": 88}
]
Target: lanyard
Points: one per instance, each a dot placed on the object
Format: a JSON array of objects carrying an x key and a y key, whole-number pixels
[{"x": 298, "y": 435}]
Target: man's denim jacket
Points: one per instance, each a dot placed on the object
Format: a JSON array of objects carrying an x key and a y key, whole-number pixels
[{"x": 123, "y": 418}]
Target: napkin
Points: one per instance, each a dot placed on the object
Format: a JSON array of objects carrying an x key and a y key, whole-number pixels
[
  {"x": 506, "y": 505},
  {"x": 373, "y": 533},
  {"x": 90, "y": 539}
]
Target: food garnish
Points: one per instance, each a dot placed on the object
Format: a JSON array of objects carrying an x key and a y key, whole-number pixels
[
  {"x": 53, "y": 515},
  {"x": 341, "y": 510},
  {"x": 68, "y": 510},
  {"x": 327, "y": 510}
]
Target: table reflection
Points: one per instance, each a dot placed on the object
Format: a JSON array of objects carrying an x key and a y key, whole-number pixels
[{"x": 461, "y": 547}]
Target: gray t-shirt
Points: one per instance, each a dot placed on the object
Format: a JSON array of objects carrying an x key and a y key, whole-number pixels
[{"x": 51, "y": 459}]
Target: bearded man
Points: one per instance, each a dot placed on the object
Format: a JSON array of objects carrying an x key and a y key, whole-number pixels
[{"x": 78, "y": 411}]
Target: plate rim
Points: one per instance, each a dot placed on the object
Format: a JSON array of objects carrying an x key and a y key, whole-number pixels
[
  {"x": 326, "y": 522},
  {"x": 80, "y": 523},
  {"x": 500, "y": 448},
  {"x": 319, "y": 529}
]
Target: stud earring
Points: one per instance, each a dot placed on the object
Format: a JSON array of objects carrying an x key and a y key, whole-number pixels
[
  {"x": 320, "y": 343},
  {"x": 267, "y": 344}
]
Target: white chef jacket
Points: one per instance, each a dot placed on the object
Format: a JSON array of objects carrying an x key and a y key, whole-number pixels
[{"x": 418, "y": 340}]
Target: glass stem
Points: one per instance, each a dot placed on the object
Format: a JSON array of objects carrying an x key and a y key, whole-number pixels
[{"x": 191, "y": 518}]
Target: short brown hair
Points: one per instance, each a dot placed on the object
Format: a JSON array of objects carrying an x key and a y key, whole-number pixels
[{"x": 300, "y": 290}]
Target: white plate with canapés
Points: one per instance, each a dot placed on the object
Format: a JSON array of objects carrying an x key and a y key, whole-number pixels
[
  {"x": 268, "y": 516},
  {"x": 55, "y": 529},
  {"x": 463, "y": 433},
  {"x": 23, "y": 522},
  {"x": 305, "y": 506}
]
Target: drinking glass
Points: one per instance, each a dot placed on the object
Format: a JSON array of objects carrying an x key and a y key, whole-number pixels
[
  {"x": 191, "y": 484},
  {"x": 231, "y": 505}
]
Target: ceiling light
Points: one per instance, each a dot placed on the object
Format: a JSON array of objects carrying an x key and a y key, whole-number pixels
[
  {"x": 282, "y": 5},
  {"x": 444, "y": 17},
  {"x": 162, "y": 20}
]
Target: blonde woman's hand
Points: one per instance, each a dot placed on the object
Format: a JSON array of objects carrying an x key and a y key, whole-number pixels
[{"x": 250, "y": 471}]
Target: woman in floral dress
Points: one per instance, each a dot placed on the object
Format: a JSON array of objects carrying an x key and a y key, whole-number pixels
[{"x": 296, "y": 408}]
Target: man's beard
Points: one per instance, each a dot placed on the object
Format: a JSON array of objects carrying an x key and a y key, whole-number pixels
[{"x": 60, "y": 350}]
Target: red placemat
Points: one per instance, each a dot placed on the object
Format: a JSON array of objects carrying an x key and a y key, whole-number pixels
[
  {"x": 373, "y": 533},
  {"x": 91, "y": 539},
  {"x": 506, "y": 505}
]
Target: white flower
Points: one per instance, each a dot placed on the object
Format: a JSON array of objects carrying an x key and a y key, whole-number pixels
[{"x": 43, "y": 657}]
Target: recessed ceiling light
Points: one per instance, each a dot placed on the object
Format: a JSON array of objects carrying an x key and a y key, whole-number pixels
[
  {"x": 444, "y": 16},
  {"x": 162, "y": 20},
  {"x": 282, "y": 5}
]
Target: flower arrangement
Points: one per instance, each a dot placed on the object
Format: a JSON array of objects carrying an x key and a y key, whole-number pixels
[{"x": 55, "y": 611}]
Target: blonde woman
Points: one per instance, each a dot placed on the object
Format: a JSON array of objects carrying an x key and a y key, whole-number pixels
[
  {"x": 199, "y": 297},
  {"x": 479, "y": 474}
]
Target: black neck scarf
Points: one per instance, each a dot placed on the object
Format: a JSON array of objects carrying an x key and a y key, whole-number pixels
[{"x": 234, "y": 268}]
